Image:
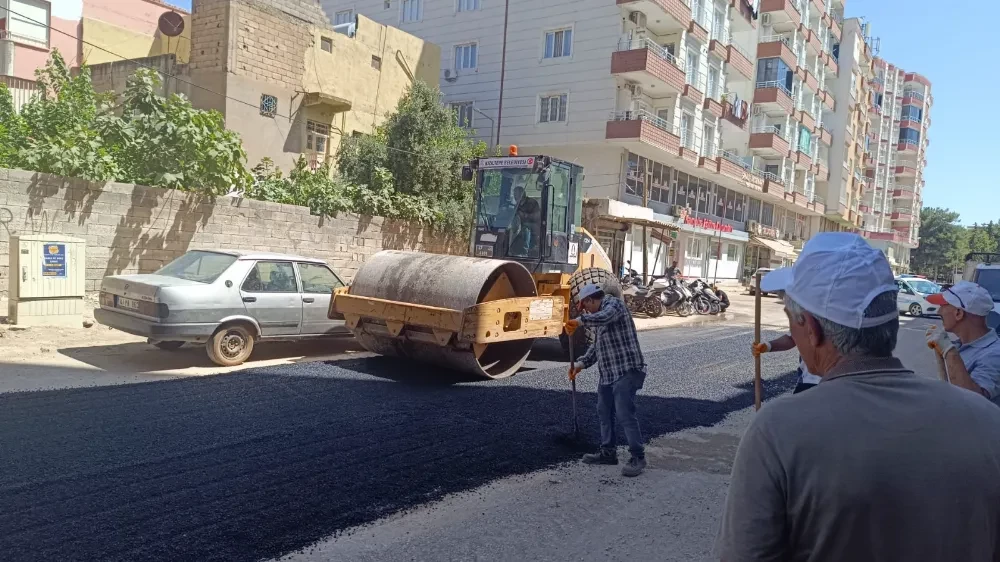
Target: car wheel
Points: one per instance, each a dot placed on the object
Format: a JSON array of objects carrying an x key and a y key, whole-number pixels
[
  {"x": 167, "y": 345},
  {"x": 230, "y": 345},
  {"x": 915, "y": 310}
]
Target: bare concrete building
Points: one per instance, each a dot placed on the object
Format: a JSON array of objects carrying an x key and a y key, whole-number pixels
[{"x": 284, "y": 77}]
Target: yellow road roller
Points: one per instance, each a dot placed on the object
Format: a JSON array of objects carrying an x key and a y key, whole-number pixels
[{"x": 529, "y": 257}]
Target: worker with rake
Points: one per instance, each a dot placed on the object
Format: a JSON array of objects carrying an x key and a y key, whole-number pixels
[{"x": 622, "y": 370}]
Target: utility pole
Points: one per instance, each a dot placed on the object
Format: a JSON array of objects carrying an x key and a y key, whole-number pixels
[{"x": 645, "y": 239}]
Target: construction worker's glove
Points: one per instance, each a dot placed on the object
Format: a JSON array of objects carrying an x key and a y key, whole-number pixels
[
  {"x": 757, "y": 348},
  {"x": 571, "y": 326},
  {"x": 938, "y": 340},
  {"x": 574, "y": 370}
]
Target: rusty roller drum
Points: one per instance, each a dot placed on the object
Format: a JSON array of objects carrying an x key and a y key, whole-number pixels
[{"x": 453, "y": 282}]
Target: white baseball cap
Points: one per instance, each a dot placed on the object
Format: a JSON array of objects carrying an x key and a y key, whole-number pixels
[
  {"x": 967, "y": 296},
  {"x": 589, "y": 290},
  {"x": 836, "y": 277}
]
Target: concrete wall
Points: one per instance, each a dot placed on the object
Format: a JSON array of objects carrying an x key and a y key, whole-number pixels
[
  {"x": 130, "y": 32},
  {"x": 130, "y": 228}
]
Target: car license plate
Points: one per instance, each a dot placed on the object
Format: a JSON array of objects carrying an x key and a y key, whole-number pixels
[{"x": 130, "y": 304}]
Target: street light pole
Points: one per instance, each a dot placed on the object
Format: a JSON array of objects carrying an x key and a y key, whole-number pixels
[{"x": 492, "y": 126}]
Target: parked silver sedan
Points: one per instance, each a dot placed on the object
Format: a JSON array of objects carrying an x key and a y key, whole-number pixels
[{"x": 227, "y": 300}]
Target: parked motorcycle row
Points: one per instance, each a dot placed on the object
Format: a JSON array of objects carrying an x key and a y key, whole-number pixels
[{"x": 667, "y": 293}]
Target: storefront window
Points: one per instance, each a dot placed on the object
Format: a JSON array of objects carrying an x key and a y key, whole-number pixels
[
  {"x": 693, "y": 249},
  {"x": 719, "y": 208},
  {"x": 767, "y": 214},
  {"x": 682, "y": 189},
  {"x": 703, "y": 191},
  {"x": 732, "y": 252},
  {"x": 753, "y": 214},
  {"x": 741, "y": 202}
]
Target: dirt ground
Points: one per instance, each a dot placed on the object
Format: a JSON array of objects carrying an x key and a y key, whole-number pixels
[{"x": 92, "y": 355}]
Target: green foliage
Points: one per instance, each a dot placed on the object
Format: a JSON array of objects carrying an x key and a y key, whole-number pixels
[
  {"x": 942, "y": 241},
  {"x": 983, "y": 238},
  {"x": 71, "y": 130},
  {"x": 410, "y": 168}
]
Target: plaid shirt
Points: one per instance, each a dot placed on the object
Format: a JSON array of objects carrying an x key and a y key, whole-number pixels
[{"x": 616, "y": 348}]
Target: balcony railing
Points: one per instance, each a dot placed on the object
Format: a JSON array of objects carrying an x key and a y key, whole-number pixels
[
  {"x": 775, "y": 37},
  {"x": 768, "y": 129},
  {"x": 774, "y": 84},
  {"x": 643, "y": 115},
  {"x": 737, "y": 159},
  {"x": 913, "y": 94},
  {"x": 626, "y": 44}
]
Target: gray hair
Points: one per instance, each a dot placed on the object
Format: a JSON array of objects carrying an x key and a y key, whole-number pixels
[{"x": 876, "y": 341}]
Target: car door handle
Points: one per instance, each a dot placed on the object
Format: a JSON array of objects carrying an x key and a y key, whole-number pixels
[
  {"x": 308, "y": 299},
  {"x": 249, "y": 299}
]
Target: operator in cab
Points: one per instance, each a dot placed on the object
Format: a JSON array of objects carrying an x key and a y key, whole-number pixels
[{"x": 526, "y": 225}]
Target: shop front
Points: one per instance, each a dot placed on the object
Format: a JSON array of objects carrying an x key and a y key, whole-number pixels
[
  {"x": 766, "y": 250},
  {"x": 709, "y": 249},
  {"x": 619, "y": 228}
]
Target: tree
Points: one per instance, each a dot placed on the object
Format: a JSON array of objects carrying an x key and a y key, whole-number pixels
[
  {"x": 981, "y": 238},
  {"x": 71, "y": 130},
  {"x": 411, "y": 165},
  {"x": 941, "y": 242}
]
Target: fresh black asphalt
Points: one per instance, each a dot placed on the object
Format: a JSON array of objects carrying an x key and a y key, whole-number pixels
[{"x": 256, "y": 464}]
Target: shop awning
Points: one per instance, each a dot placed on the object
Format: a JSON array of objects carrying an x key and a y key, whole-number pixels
[
  {"x": 614, "y": 210},
  {"x": 780, "y": 248}
]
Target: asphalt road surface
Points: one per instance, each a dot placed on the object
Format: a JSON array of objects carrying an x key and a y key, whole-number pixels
[{"x": 373, "y": 459}]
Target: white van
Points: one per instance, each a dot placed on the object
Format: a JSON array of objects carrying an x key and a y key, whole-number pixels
[{"x": 913, "y": 292}]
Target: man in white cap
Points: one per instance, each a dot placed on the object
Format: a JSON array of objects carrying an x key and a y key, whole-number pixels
[
  {"x": 622, "y": 369},
  {"x": 975, "y": 363},
  {"x": 874, "y": 463}
]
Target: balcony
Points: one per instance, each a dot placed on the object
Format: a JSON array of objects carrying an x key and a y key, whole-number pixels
[
  {"x": 822, "y": 173},
  {"x": 828, "y": 100},
  {"x": 781, "y": 11},
  {"x": 729, "y": 117},
  {"x": 887, "y": 235},
  {"x": 662, "y": 16},
  {"x": 813, "y": 43},
  {"x": 906, "y": 171},
  {"x": 902, "y": 216},
  {"x": 692, "y": 92},
  {"x": 735, "y": 170},
  {"x": 833, "y": 24},
  {"x": 773, "y": 96},
  {"x": 746, "y": 20},
  {"x": 825, "y": 136},
  {"x": 904, "y": 193},
  {"x": 767, "y": 140},
  {"x": 831, "y": 64},
  {"x": 718, "y": 49},
  {"x": 810, "y": 80},
  {"x": 739, "y": 61},
  {"x": 689, "y": 146},
  {"x": 801, "y": 159},
  {"x": 647, "y": 63},
  {"x": 908, "y": 146},
  {"x": 779, "y": 46},
  {"x": 911, "y": 97},
  {"x": 697, "y": 31},
  {"x": 807, "y": 120},
  {"x": 908, "y": 124},
  {"x": 633, "y": 129},
  {"x": 713, "y": 107}
]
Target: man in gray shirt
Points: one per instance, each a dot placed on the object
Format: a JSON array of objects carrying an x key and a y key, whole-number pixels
[
  {"x": 973, "y": 362},
  {"x": 874, "y": 463}
]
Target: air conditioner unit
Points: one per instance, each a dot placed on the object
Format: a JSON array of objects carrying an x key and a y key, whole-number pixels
[
  {"x": 638, "y": 18},
  {"x": 765, "y": 19}
]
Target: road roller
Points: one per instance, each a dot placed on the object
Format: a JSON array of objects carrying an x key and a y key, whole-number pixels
[{"x": 480, "y": 314}]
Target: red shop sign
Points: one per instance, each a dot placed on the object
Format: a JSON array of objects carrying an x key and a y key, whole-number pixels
[{"x": 707, "y": 224}]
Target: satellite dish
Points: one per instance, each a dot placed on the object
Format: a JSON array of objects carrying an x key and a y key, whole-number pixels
[{"x": 170, "y": 24}]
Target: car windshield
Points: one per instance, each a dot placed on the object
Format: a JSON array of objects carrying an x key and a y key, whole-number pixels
[
  {"x": 203, "y": 267},
  {"x": 923, "y": 286},
  {"x": 990, "y": 280}
]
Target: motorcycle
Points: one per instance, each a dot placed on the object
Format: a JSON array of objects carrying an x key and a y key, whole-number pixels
[
  {"x": 675, "y": 297},
  {"x": 705, "y": 299}
]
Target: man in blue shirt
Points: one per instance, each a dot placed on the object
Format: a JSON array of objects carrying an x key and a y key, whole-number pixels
[
  {"x": 975, "y": 363},
  {"x": 623, "y": 371}
]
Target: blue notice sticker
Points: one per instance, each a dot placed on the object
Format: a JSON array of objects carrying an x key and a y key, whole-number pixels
[{"x": 54, "y": 260}]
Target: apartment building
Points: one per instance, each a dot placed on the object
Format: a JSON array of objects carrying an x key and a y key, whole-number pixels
[
  {"x": 899, "y": 107},
  {"x": 713, "y": 110},
  {"x": 851, "y": 120}
]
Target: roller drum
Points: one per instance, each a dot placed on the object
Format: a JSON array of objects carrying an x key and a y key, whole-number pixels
[{"x": 454, "y": 282}]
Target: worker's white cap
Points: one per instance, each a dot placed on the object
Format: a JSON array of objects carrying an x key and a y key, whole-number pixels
[
  {"x": 589, "y": 290},
  {"x": 836, "y": 277},
  {"x": 967, "y": 296}
]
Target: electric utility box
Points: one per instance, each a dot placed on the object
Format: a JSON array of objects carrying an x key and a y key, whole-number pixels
[{"x": 47, "y": 273}]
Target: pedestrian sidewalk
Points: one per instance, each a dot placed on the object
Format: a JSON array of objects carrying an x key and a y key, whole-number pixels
[{"x": 740, "y": 313}]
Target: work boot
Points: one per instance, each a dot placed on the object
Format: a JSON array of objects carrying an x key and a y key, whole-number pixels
[
  {"x": 601, "y": 457},
  {"x": 634, "y": 467}
]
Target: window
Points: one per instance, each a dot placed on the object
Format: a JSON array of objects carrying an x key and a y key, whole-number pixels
[
  {"x": 29, "y": 20},
  {"x": 198, "y": 266},
  {"x": 377, "y": 63},
  {"x": 268, "y": 105},
  {"x": 318, "y": 278},
  {"x": 854, "y": 85},
  {"x": 466, "y": 56},
  {"x": 317, "y": 137},
  {"x": 468, "y": 5},
  {"x": 693, "y": 249},
  {"x": 326, "y": 44},
  {"x": 912, "y": 113},
  {"x": 553, "y": 109},
  {"x": 463, "y": 113},
  {"x": 412, "y": 10},
  {"x": 346, "y": 16},
  {"x": 387, "y": 5},
  {"x": 911, "y": 136},
  {"x": 732, "y": 252},
  {"x": 271, "y": 277},
  {"x": 713, "y": 250},
  {"x": 775, "y": 70},
  {"x": 558, "y": 44}
]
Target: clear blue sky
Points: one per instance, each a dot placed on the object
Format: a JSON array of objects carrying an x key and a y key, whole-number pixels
[{"x": 954, "y": 45}]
